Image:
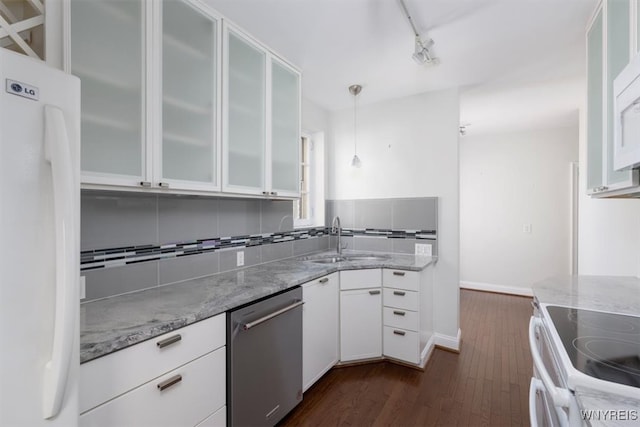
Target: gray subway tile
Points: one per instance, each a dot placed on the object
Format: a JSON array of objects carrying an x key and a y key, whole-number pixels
[
  {"x": 228, "y": 259},
  {"x": 115, "y": 220},
  {"x": 343, "y": 209},
  {"x": 238, "y": 217},
  {"x": 329, "y": 208},
  {"x": 415, "y": 214},
  {"x": 182, "y": 219},
  {"x": 323, "y": 242},
  {"x": 277, "y": 251},
  {"x": 276, "y": 215},
  {"x": 305, "y": 246},
  {"x": 408, "y": 246},
  {"x": 377, "y": 244},
  {"x": 172, "y": 270},
  {"x": 106, "y": 282},
  {"x": 373, "y": 213},
  {"x": 347, "y": 242}
]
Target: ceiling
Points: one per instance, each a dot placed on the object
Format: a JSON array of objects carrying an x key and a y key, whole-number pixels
[{"x": 518, "y": 63}]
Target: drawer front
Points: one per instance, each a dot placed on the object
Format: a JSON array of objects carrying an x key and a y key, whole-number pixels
[
  {"x": 398, "y": 318},
  {"x": 112, "y": 375},
  {"x": 401, "y": 279},
  {"x": 399, "y": 298},
  {"x": 401, "y": 344},
  {"x": 360, "y": 279},
  {"x": 200, "y": 392},
  {"x": 217, "y": 419}
]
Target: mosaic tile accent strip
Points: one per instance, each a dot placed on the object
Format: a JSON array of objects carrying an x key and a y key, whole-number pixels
[{"x": 114, "y": 257}]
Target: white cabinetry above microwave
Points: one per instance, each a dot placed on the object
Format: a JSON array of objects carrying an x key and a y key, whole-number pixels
[
  {"x": 626, "y": 125},
  {"x": 152, "y": 100},
  {"x": 610, "y": 42}
]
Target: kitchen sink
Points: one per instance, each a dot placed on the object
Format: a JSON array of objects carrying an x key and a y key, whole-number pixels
[{"x": 331, "y": 260}]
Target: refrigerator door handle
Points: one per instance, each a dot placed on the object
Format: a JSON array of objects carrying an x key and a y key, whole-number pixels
[{"x": 58, "y": 152}]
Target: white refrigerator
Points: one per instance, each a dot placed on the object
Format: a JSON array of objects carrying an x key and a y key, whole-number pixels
[{"x": 39, "y": 240}]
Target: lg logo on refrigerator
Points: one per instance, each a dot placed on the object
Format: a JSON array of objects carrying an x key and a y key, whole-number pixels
[{"x": 22, "y": 89}]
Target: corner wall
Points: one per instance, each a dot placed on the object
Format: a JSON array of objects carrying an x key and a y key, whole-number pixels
[{"x": 409, "y": 148}]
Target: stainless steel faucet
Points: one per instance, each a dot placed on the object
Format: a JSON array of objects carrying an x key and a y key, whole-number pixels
[{"x": 335, "y": 227}]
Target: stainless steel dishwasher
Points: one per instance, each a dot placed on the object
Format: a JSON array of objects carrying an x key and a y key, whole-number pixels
[{"x": 265, "y": 360}]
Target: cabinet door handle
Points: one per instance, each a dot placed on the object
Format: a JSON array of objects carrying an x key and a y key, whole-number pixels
[
  {"x": 399, "y": 313},
  {"x": 168, "y": 341},
  {"x": 374, "y": 292},
  {"x": 274, "y": 193},
  {"x": 324, "y": 280},
  {"x": 145, "y": 184},
  {"x": 401, "y": 333},
  {"x": 266, "y": 193},
  {"x": 163, "y": 184},
  {"x": 170, "y": 382},
  {"x": 398, "y": 273},
  {"x": 399, "y": 293}
]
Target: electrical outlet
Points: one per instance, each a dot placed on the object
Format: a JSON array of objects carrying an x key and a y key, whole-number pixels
[
  {"x": 423, "y": 249},
  {"x": 240, "y": 258},
  {"x": 83, "y": 287},
  {"x": 526, "y": 228}
]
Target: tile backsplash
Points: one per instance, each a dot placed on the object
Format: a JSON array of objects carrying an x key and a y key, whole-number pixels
[{"x": 131, "y": 242}]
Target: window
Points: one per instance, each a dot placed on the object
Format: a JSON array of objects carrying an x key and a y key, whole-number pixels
[{"x": 303, "y": 208}]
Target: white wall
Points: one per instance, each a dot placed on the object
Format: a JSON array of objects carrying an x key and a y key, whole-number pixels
[
  {"x": 609, "y": 229},
  {"x": 506, "y": 181},
  {"x": 408, "y": 148},
  {"x": 317, "y": 124}
]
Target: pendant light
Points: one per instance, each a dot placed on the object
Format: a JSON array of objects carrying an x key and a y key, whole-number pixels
[{"x": 355, "y": 90}]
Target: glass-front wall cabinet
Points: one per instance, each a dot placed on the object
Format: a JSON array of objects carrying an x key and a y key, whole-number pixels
[
  {"x": 107, "y": 53},
  {"x": 244, "y": 115},
  {"x": 285, "y": 129},
  {"x": 189, "y": 94}
]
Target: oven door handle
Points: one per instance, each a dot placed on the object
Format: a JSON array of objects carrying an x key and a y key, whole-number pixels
[
  {"x": 535, "y": 387},
  {"x": 247, "y": 326},
  {"x": 559, "y": 396}
]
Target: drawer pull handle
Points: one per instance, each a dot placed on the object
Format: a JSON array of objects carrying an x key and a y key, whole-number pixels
[
  {"x": 401, "y": 333},
  {"x": 399, "y": 293},
  {"x": 168, "y": 383},
  {"x": 374, "y": 292},
  {"x": 399, "y": 313},
  {"x": 398, "y": 273},
  {"x": 168, "y": 341},
  {"x": 325, "y": 280}
]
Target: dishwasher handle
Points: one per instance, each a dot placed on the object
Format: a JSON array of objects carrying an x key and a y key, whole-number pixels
[
  {"x": 559, "y": 396},
  {"x": 247, "y": 326}
]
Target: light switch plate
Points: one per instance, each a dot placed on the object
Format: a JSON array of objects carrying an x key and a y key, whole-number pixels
[
  {"x": 526, "y": 228},
  {"x": 83, "y": 287},
  {"x": 240, "y": 258},
  {"x": 423, "y": 249}
]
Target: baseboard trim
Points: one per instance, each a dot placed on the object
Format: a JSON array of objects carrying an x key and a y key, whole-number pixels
[
  {"x": 448, "y": 342},
  {"x": 427, "y": 351},
  {"x": 499, "y": 289}
]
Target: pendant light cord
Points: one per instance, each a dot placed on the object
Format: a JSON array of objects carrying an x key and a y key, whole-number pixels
[{"x": 355, "y": 123}]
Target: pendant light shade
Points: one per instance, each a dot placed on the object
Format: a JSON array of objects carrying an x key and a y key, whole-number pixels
[{"x": 355, "y": 90}]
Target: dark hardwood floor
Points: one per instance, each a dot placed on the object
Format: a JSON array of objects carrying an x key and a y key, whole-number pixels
[{"x": 486, "y": 384}]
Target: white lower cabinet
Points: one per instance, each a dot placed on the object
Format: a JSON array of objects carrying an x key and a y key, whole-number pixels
[
  {"x": 319, "y": 328},
  {"x": 360, "y": 315},
  {"x": 177, "y": 379},
  {"x": 408, "y": 315}
]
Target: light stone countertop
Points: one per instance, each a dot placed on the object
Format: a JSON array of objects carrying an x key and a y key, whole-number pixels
[
  {"x": 111, "y": 324},
  {"x": 604, "y": 293}
]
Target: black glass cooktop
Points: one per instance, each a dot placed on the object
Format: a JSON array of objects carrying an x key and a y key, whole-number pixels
[{"x": 603, "y": 345}]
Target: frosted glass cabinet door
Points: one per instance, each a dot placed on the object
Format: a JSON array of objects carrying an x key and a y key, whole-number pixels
[
  {"x": 107, "y": 53},
  {"x": 285, "y": 129},
  {"x": 595, "y": 81},
  {"x": 189, "y": 93},
  {"x": 244, "y": 115}
]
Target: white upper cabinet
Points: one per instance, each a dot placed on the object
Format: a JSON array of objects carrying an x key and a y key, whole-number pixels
[
  {"x": 610, "y": 41},
  {"x": 261, "y": 120},
  {"x": 244, "y": 118},
  {"x": 188, "y": 155},
  {"x": 285, "y": 129},
  {"x": 107, "y": 52},
  {"x": 175, "y": 100}
]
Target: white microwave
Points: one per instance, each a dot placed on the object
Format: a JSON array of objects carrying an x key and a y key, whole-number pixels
[{"x": 626, "y": 118}]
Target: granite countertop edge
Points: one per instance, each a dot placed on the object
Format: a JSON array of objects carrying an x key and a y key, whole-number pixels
[
  {"x": 617, "y": 294},
  {"x": 115, "y": 323}
]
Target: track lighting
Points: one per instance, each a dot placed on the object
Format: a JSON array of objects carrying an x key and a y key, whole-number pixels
[{"x": 422, "y": 53}]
